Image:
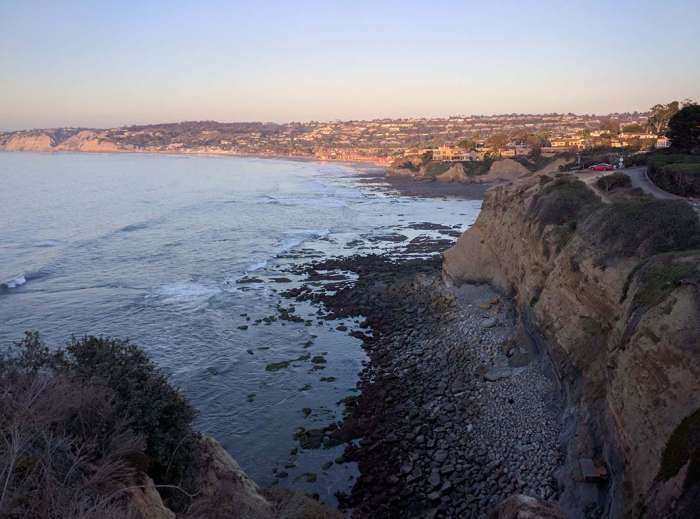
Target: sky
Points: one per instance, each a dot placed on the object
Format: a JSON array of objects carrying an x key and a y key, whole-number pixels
[{"x": 113, "y": 63}]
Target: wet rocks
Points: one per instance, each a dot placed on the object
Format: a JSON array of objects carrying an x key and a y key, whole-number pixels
[
  {"x": 434, "y": 433},
  {"x": 488, "y": 322},
  {"x": 495, "y": 374}
]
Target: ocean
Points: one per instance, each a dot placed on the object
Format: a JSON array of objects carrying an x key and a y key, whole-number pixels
[{"x": 184, "y": 256}]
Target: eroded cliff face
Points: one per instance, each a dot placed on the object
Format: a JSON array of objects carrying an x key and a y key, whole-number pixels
[
  {"x": 621, "y": 326},
  {"x": 61, "y": 140}
]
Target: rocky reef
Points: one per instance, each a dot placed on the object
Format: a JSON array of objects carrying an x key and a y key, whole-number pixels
[{"x": 608, "y": 292}]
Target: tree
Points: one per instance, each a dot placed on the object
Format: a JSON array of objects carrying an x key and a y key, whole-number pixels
[
  {"x": 497, "y": 141},
  {"x": 612, "y": 126},
  {"x": 684, "y": 129},
  {"x": 660, "y": 116},
  {"x": 467, "y": 144},
  {"x": 632, "y": 128}
]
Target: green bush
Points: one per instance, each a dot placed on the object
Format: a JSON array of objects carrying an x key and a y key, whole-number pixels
[
  {"x": 476, "y": 168},
  {"x": 141, "y": 395},
  {"x": 433, "y": 168},
  {"x": 676, "y": 173},
  {"x": 534, "y": 162},
  {"x": 66, "y": 451},
  {"x": 644, "y": 226},
  {"x": 663, "y": 275},
  {"x": 157, "y": 411},
  {"x": 613, "y": 181},
  {"x": 683, "y": 448},
  {"x": 563, "y": 201}
]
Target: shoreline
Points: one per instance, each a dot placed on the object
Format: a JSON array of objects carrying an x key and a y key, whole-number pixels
[
  {"x": 449, "y": 418},
  {"x": 366, "y": 170},
  {"x": 294, "y": 158}
]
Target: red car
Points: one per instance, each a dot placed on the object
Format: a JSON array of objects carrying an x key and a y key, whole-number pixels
[{"x": 602, "y": 167}]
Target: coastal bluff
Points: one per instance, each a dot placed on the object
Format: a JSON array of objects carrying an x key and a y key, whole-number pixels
[{"x": 609, "y": 294}]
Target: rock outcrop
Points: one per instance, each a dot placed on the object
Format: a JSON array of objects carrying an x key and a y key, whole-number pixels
[
  {"x": 224, "y": 491},
  {"x": 507, "y": 169},
  {"x": 28, "y": 142},
  {"x": 619, "y": 322},
  {"x": 454, "y": 174},
  {"x": 90, "y": 141}
]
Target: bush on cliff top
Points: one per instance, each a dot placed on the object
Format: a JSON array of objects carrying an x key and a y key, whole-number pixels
[
  {"x": 66, "y": 450},
  {"x": 644, "y": 227},
  {"x": 563, "y": 201},
  {"x": 613, "y": 181},
  {"x": 137, "y": 398}
]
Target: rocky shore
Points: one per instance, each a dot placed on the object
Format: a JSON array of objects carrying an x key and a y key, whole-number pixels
[{"x": 455, "y": 413}]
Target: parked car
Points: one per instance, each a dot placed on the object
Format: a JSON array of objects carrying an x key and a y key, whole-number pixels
[{"x": 602, "y": 167}]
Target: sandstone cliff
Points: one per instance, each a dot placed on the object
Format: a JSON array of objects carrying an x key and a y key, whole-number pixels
[
  {"x": 91, "y": 141},
  {"x": 29, "y": 142},
  {"x": 611, "y": 293},
  {"x": 454, "y": 174},
  {"x": 506, "y": 169}
]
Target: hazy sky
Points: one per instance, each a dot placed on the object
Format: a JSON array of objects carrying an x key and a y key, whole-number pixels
[{"x": 119, "y": 62}]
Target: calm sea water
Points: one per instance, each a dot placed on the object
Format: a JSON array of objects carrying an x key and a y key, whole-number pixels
[{"x": 151, "y": 248}]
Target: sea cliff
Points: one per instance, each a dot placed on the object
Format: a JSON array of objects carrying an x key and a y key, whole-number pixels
[{"x": 609, "y": 291}]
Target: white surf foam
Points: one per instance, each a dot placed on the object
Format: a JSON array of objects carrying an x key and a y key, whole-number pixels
[
  {"x": 295, "y": 238},
  {"x": 259, "y": 265},
  {"x": 186, "y": 293},
  {"x": 14, "y": 282}
]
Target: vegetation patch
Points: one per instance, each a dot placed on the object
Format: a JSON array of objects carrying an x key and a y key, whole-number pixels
[
  {"x": 563, "y": 201},
  {"x": 677, "y": 173},
  {"x": 80, "y": 422},
  {"x": 683, "y": 447},
  {"x": 613, "y": 181},
  {"x": 534, "y": 161},
  {"x": 644, "y": 227},
  {"x": 434, "y": 168},
  {"x": 477, "y": 168},
  {"x": 659, "y": 279}
]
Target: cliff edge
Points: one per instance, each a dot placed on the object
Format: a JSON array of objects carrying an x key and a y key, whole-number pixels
[{"x": 610, "y": 292}]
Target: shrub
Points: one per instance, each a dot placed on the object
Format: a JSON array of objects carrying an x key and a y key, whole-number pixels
[
  {"x": 405, "y": 164},
  {"x": 433, "y": 168},
  {"x": 681, "y": 179},
  {"x": 66, "y": 451},
  {"x": 683, "y": 448},
  {"x": 676, "y": 172},
  {"x": 156, "y": 410},
  {"x": 476, "y": 168},
  {"x": 663, "y": 275},
  {"x": 613, "y": 181},
  {"x": 562, "y": 201},
  {"x": 644, "y": 226},
  {"x": 140, "y": 395}
]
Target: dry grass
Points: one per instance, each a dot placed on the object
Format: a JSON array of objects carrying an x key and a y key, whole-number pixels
[{"x": 63, "y": 451}]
